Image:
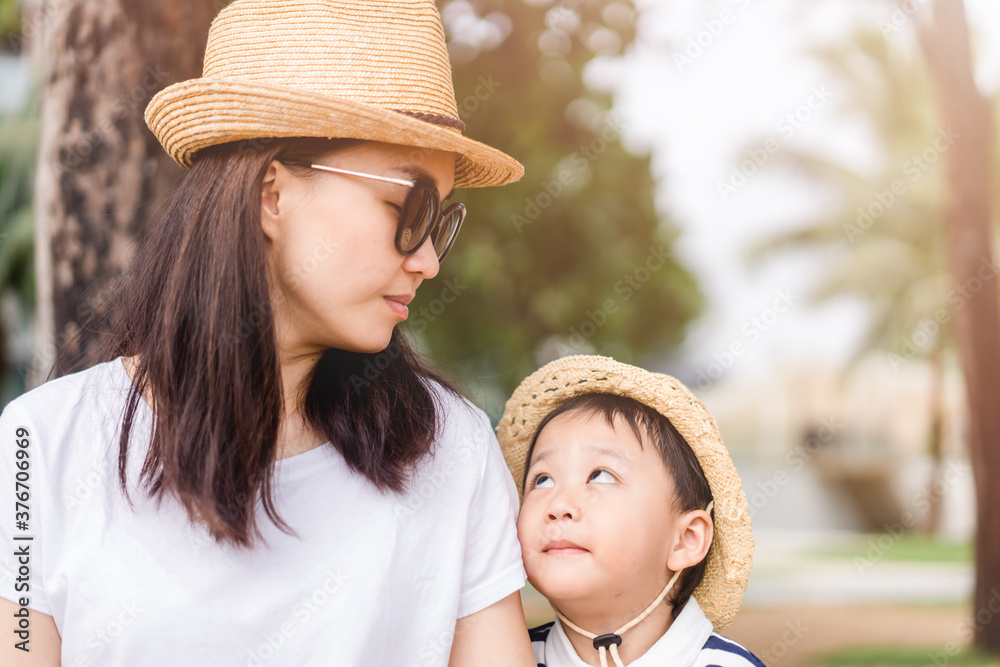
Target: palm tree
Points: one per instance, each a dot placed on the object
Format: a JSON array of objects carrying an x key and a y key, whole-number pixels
[{"x": 886, "y": 232}]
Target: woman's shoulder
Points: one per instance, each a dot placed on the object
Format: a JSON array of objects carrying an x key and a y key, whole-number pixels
[
  {"x": 456, "y": 410},
  {"x": 100, "y": 382},
  {"x": 462, "y": 426}
]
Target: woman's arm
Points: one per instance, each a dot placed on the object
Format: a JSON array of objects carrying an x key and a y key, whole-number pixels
[
  {"x": 495, "y": 636},
  {"x": 44, "y": 642}
]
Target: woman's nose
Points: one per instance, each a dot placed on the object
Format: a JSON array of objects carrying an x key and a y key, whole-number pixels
[{"x": 424, "y": 261}]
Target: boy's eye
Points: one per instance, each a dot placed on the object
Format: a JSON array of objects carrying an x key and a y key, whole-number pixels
[
  {"x": 602, "y": 477},
  {"x": 542, "y": 481}
]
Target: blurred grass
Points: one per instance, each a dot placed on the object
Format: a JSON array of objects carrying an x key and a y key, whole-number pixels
[
  {"x": 890, "y": 656},
  {"x": 907, "y": 548}
]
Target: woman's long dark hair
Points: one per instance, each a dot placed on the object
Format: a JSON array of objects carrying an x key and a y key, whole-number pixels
[{"x": 194, "y": 309}]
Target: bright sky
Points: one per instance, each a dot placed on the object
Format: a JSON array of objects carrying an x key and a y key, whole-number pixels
[{"x": 698, "y": 117}]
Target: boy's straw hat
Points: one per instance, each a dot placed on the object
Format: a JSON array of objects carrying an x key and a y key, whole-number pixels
[
  {"x": 364, "y": 69},
  {"x": 721, "y": 590}
]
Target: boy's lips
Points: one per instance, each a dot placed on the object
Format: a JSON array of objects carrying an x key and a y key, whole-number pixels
[{"x": 558, "y": 547}]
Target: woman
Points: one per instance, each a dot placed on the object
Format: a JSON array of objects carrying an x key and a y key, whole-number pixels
[{"x": 261, "y": 471}]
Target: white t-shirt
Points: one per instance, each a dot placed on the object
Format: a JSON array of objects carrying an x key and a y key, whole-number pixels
[{"x": 371, "y": 579}]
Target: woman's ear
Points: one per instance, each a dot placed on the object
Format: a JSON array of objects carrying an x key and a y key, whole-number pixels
[
  {"x": 692, "y": 539},
  {"x": 269, "y": 199}
]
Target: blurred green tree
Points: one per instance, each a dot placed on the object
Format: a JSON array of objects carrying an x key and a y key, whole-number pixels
[
  {"x": 18, "y": 151},
  {"x": 10, "y": 25},
  {"x": 574, "y": 258}
]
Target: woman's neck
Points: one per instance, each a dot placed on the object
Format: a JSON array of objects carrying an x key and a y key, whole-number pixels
[{"x": 295, "y": 434}]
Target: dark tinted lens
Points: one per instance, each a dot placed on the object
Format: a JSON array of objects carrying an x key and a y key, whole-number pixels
[
  {"x": 419, "y": 211},
  {"x": 446, "y": 231}
]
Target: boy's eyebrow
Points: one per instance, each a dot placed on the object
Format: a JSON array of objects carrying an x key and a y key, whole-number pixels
[
  {"x": 593, "y": 449},
  {"x": 538, "y": 458},
  {"x": 607, "y": 451}
]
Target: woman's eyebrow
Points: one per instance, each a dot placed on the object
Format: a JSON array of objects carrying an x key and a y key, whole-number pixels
[{"x": 417, "y": 172}]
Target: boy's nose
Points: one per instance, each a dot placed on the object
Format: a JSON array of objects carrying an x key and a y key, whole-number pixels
[{"x": 564, "y": 508}]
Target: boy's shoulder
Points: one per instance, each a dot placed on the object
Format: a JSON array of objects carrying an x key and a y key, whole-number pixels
[
  {"x": 541, "y": 633},
  {"x": 538, "y": 637},
  {"x": 721, "y": 651}
]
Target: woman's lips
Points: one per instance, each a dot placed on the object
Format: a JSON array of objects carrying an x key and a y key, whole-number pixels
[{"x": 398, "y": 307}]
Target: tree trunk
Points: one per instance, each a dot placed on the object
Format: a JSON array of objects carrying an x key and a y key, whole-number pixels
[
  {"x": 968, "y": 164},
  {"x": 101, "y": 172}
]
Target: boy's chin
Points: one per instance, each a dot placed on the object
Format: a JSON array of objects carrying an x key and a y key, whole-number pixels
[{"x": 564, "y": 591}]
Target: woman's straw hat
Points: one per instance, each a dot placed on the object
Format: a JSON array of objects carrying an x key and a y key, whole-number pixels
[
  {"x": 721, "y": 591},
  {"x": 364, "y": 69}
]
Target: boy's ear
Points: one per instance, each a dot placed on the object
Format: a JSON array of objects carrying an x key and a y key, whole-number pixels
[{"x": 692, "y": 539}]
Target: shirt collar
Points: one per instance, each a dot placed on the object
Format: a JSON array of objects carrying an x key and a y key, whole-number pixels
[{"x": 679, "y": 646}]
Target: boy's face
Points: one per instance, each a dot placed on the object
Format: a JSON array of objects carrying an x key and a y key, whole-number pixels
[{"x": 598, "y": 519}]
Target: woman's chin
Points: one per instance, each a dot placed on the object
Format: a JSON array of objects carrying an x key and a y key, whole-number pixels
[{"x": 372, "y": 346}]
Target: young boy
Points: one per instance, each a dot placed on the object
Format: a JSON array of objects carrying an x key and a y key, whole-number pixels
[{"x": 633, "y": 520}]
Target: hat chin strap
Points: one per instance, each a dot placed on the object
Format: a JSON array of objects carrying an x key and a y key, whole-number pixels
[{"x": 609, "y": 643}]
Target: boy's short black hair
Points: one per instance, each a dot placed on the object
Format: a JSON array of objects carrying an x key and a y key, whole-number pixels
[{"x": 692, "y": 489}]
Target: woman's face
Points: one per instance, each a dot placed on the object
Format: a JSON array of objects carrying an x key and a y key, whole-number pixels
[{"x": 337, "y": 279}]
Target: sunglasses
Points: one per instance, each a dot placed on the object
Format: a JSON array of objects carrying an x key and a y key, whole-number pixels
[{"x": 420, "y": 217}]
